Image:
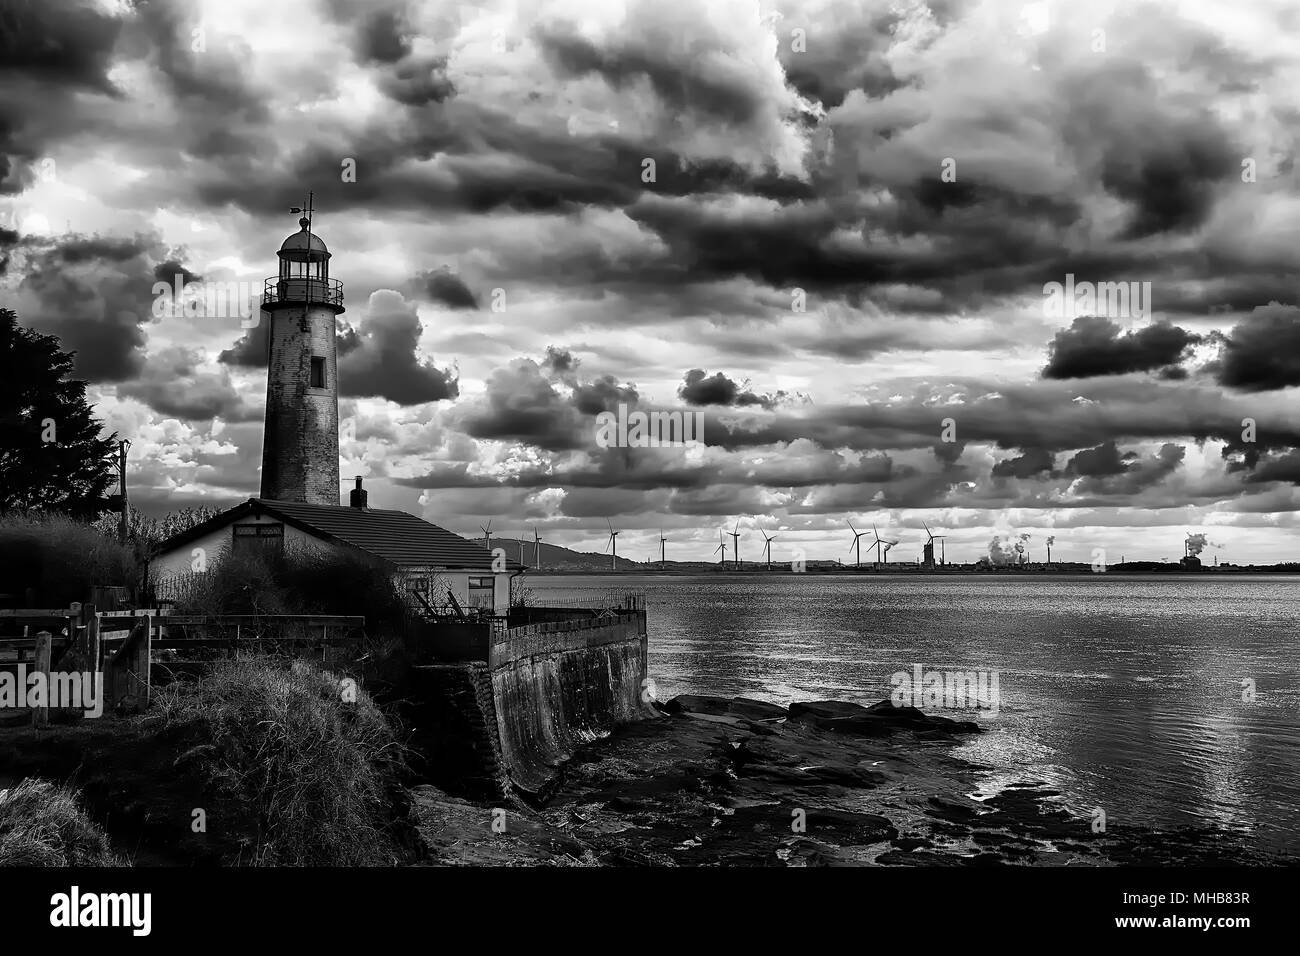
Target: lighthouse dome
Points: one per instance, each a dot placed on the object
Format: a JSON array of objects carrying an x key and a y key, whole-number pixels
[{"x": 304, "y": 244}]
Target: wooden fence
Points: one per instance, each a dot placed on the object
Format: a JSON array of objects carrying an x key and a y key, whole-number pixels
[{"x": 124, "y": 645}]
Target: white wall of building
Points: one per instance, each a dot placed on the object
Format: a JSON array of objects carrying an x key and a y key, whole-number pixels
[{"x": 169, "y": 568}]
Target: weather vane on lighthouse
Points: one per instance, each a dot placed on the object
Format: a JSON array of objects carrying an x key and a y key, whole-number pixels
[{"x": 306, "y": 210}]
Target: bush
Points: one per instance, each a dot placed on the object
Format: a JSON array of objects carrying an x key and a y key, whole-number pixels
[
  {"x": 317, "y": 775},
  {"x": 302, "y": 581},
  {"x": 42, "y": 824},
  {"x": 60, "y": 559}
]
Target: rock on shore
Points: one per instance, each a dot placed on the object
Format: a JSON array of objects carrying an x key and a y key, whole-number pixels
[{"x": 722, "y": 781}]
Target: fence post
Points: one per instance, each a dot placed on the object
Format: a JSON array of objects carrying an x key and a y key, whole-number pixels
[
  {"x": 143, "y": 657},
  {"x": 91, "y": 617},
  {"x": 41, "y": 714}
]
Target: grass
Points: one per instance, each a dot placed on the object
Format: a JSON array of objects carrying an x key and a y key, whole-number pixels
[
  {"x": 42, "y": 824},
  {"x": 300, "y": 755}
]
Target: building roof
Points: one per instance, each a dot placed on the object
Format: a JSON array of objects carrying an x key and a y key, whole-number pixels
[{"x": 399, "y": 538}]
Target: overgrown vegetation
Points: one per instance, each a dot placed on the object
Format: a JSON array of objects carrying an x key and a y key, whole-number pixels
[
  {"x": 59, "y": 559},
  {"x": 148, "y": 532},
  {"x": 300, "y": 581},
  {"x": 42, "y": 824},
  {"x": 304, "y": 758}
]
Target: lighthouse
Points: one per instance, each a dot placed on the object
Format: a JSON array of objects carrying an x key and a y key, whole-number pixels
[{"x": 300, "y": 443}]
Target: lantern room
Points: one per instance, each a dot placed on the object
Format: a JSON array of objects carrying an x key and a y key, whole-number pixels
[{"x": 304, "y": 274}]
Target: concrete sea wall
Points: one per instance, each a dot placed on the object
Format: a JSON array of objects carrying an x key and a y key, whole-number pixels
[
  {"x": 559, "y": 685},
  {"x": 505, "y": 725}
]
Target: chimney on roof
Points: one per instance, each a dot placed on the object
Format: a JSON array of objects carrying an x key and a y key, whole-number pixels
[{"x": 359, "y": 496}]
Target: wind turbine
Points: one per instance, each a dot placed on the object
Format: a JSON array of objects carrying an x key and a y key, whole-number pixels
[
  {"x": 856, "y": 535},
  {"x": 767, "y": 544},
  {"x": 537, "y": 548},
  {"x": 612, "y": 547},
  {"x": 878, "y": 545},
  {"x": 722, "y": 546},
  {"x": 487, "y": 535},
  {"x": 662, "y": 542},
  {"x": 735, "y": 549}
]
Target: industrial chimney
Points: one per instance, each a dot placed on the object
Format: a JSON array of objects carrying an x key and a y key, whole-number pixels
[{"x": 359, "y": 496}]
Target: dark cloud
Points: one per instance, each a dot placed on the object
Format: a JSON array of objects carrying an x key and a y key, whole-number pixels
[
  {"x": 383, "y": 36},
  {"x": 947, "y": 453},
  {"x": 523, "y": 404},
  {"x": 176, "y": 383},
  {"x": 1284, "y": 467},
  {"x": 1033, "y": 462},
  {"x": 1099, "y": 462},
  {"x": 604, "y": 394},
  {"x": 725, "y": 95},
  {"x": 252, "y": 350},
  {"x": 169, "y": 270},
  {"x": 385, "y": 364},
  {"x": 700, "y": 388},
  {"x": 50, "y": 54},
  {"x": 560, "y": 362},
  {"x": 418, "y": 80},
  {"x": 1262, "y": 352},
  {"x": 1136, "y": 475},
  {"x": 1096, "y": 346},
  {"x": 447, "y": 288},
  {"x": 546, "y": 405},
  {"x": 95, "y": 293},
  {"x": 60, "y": 41}
]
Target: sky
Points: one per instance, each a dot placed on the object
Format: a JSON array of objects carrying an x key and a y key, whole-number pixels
[{"x": 849, "y": 234}]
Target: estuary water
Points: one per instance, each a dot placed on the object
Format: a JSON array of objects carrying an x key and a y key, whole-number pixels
[{"x": 1132, "y": 694}]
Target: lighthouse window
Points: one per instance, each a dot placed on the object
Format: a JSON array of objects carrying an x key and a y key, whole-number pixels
[{"x": 317, "y": 372}]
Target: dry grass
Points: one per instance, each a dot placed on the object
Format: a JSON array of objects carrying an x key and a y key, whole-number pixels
[
  {"x": 280, "y": 743},
  {"x": 42, "y": 824}
]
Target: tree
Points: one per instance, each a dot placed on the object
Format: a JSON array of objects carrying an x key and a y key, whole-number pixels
[
  {"x": 150, "y": 532},
  {"x": 53, "y": 456}
]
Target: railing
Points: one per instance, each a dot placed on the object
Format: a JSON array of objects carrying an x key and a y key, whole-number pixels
[
  {"x": 588, "y": 599},
  {"x": 302, "y": 290}
]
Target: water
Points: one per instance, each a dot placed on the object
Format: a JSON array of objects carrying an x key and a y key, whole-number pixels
[{"x": 1122, "y": 693}]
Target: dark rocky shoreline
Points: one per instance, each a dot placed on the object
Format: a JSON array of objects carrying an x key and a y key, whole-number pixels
[{"x": 739, "y": 782}]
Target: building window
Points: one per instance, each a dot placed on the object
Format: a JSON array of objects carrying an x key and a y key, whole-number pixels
[
  {"x": 482, "y": 592},
  {"x": 265, "y": 538},
  {"x": 317, "y": 372}
]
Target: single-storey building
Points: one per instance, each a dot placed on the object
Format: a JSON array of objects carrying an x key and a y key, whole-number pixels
[{"x": 426, "y": 559}]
